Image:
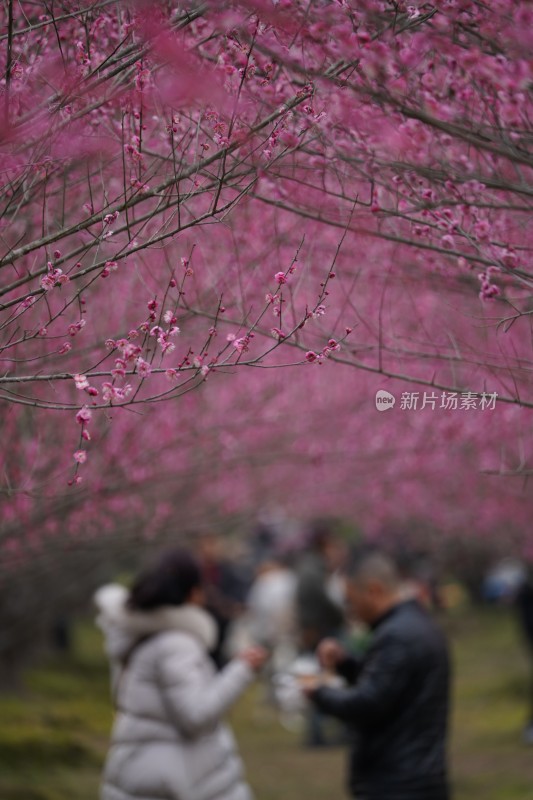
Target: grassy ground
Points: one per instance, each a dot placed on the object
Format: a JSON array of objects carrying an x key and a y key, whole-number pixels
[
  {"x": 490, "y": 710},
  {"x": 53, "y": 734}
]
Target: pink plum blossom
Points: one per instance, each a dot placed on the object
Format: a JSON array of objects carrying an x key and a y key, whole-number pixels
[
  {"x": 81, "y": 381},
  {"x": 143, "y": 367},
  {"x": 84, "y": 415}
]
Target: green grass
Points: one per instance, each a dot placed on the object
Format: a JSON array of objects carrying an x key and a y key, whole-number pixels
[
  {"x": 54, "y": 732},
  {"x": 490, "y": 709}
]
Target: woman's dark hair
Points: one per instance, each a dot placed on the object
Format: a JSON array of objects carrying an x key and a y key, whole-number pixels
[{"x": 168, "y": 582}]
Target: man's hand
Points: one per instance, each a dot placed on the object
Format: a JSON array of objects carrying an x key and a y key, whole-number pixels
[
  {"x": 255, "y": 657},
  {"x": 330, "y": 653},
  {"x": 310, "y": 684}
]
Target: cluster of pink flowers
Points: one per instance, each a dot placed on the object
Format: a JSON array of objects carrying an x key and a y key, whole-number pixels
[
  {"x": 81, "y": 382},
  {"x": 76, "y": 327},
  {"x": 332, "y": 347},
  {"x": 130, "y": 351},
  {"x": 488, "y": 289},
  {"x": 278, "y": 333},
  {"x": 187, "y": 267},
  {"x": 110, "y": 218},
  {"x": 83, "y": 417},
  {"x": 163, "y": 336},
  {"x": 27, "y": 303},
  {"x": 143, "y": 367},
  {"x": 120, "y": 368},
  {"x": 242, "y": 345},
  {"x": 54, "y": 277},
  {"x": 396, "y": 144},
  {"x": 108, "y": 268},
  {"x": 112, "y": 393},
  {"x": 133, "y": 151}
]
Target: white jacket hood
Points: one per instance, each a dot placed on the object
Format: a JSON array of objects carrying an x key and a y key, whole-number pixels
[{"x": 122, "y": 626}]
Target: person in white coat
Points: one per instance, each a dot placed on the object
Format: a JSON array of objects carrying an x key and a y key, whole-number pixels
[{"x": 168, "y": 740}]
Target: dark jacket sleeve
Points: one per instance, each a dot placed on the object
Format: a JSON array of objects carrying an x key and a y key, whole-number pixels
[
  {"x": 383, "y": 679},
  {"x": 349, "y": 668}
]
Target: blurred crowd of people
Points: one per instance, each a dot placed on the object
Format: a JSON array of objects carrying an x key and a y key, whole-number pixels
[{"x": 288, "y": 595}]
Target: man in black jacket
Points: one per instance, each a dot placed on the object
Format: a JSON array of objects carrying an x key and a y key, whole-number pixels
[{"x": 397, "y": 703}]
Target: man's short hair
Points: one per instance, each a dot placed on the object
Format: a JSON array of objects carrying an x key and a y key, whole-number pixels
[{"x": 378, "y": 566}]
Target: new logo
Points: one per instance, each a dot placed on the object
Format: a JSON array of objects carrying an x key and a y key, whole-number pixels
[{"x": 384, "y": 400}]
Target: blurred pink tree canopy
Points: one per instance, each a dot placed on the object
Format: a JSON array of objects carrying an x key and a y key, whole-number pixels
[{"x": 283, "y": 206}]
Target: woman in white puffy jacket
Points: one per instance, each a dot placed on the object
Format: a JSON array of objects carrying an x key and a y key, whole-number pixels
[{"x": 168, "y": 740}]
